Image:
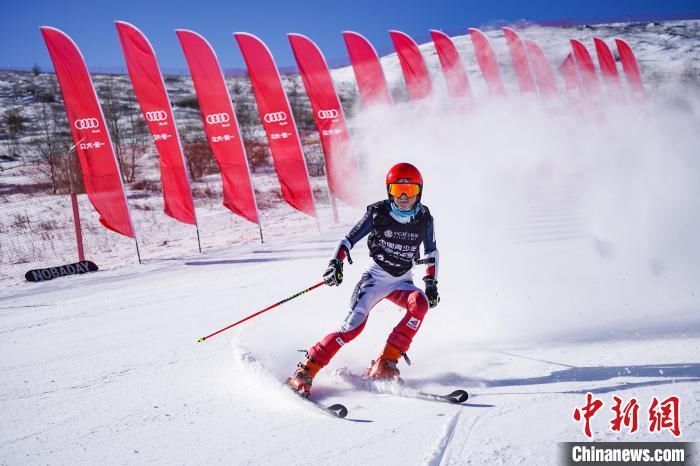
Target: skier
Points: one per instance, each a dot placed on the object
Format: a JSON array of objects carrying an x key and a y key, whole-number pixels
[{"x": 396, "y": 228}]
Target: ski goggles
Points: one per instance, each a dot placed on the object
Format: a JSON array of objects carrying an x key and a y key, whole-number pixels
[{"x": 409, "y": 189}]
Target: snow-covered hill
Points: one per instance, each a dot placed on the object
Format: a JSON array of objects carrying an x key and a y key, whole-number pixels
[{"x": 666, "y": 53}]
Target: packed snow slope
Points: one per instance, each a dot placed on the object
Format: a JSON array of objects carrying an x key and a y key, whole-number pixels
[
  {"x": 105, "y": 369},
  {"x": 569, "y": 264}
]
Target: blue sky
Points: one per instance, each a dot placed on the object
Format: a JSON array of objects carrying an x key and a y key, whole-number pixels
[{"x": 91, "y": 23}]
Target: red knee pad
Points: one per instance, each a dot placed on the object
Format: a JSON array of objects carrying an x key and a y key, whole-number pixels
[
  {"x": 417, "y": 304},
  {"x": 416, "y": 308}
]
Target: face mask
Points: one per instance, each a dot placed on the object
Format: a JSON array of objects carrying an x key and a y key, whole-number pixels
[{"x": 404, "y": 216}]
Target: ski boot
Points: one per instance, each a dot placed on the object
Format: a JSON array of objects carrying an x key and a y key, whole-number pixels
[
  {"x": 384, "y": 368},
  {"x": 303, "y": 377}
]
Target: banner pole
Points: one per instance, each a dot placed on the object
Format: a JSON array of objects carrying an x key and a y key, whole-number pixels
[
  {"x": 138, "y": 253},
  {"x": 74, "y": 204},
  {"x": 199, "y": 243}
]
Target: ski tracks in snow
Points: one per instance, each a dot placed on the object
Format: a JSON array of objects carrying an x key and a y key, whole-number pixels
[
  {"x": 434, "y": 458},
  {"x": 445, "y": 450}
]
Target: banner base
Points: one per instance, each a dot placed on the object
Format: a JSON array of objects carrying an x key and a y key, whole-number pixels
[{"x": 49, "y": 273}]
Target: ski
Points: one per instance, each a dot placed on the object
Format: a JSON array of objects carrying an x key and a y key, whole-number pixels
[
  {"x": 397, "y": 389},
  {"x": 457, "y": 396},
  {"x": 336, "y": 410}
]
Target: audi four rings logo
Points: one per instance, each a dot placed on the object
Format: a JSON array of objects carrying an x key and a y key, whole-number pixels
[
  {"x": 159, "y": 115},
  {"x": 275, "y": 117},
  {"x": 86, "y": 123},
  {"x": 328, "y": 114},
  {"x": 218, "y": 118}
]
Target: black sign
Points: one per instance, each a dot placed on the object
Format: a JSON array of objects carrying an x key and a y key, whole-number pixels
[{"x": 40, "y": 275}]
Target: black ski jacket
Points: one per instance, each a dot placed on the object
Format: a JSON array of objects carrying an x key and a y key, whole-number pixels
[{"x": 394, "y": 245}]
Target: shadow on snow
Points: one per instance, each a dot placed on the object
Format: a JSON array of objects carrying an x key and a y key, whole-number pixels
[{"x": 664, "y": 373}]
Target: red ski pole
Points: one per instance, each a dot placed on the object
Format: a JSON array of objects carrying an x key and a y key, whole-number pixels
[{"x": 260, "y": 312}]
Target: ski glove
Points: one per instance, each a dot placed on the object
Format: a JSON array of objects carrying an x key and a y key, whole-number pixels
[
  {"x": 431, "y": 291},
  {"x": 334, "y": 273}
]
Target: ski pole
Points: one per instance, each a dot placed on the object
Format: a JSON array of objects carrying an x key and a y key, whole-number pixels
[{"x": 260, "y": 312}]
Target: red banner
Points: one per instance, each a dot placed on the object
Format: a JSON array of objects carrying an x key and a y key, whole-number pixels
[
  {"x": 586, "y": 68},
  {"x": 452, "y": 66},
  {"x": 608, "y": 69},
  {"x": 630, "y": 67},
  {"x": 103, "y": 183},
  {"x": 341, "y": 163},
  {"x": 571, "y": 80},
  {"x": 414, "y": 70},
  {"x": 541, "y": 69},
  {"x": 487, "y": 62},
  {"x": 220, "y": 124},
  {"x": 606, "y": 61},
  {"x": 520, "y": 62},
  {"x": 155, "y": 105},
  {"x": 367, "y": 68},
  {"x": 278, "y": 121}
]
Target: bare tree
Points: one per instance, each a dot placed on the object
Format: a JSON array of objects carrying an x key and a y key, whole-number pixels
[
  {"x": 54, "y": 139},
  {"x": 13, "y": 125},
  {"x": 49, "y": 143},
  {"x": 113, "y": 110},
  {"x": 301, "y": 106},
  {"x": 134, "y": 143},
  {"x": 200, "y": 159},
  {"x": 250, "y": 125},
  {"x": 306, "y": 124}
]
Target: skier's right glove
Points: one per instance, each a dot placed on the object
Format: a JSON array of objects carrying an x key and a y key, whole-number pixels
[
  {"x": 431, "y": 291},
  {"x": 334, "y": 273}
]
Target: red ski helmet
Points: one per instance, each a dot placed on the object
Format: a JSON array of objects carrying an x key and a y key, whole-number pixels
[{"x": 404, "y": 178}]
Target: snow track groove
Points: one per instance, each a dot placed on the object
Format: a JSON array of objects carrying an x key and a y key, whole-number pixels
[{"x": 435, "y": 457}]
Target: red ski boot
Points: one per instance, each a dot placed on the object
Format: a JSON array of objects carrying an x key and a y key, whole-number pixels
[
  {"x": 303, "y": 377},
  {"x": 384, "y": 368}
]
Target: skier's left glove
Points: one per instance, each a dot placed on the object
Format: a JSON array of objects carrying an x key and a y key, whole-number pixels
[{"x": 431, "y": 291}]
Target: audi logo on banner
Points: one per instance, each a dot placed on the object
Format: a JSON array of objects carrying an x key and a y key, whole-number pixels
[
  {"x": 328, "y": 114},
  {"x": 218, "y": 118},
  {"x": 275, "y": 117},
  {"x": 86, "y": 123},
  {"x": 159, "y": 115}
]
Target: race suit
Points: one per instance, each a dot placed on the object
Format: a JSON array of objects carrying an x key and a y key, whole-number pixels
[{"x": 394, "y": 246}]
